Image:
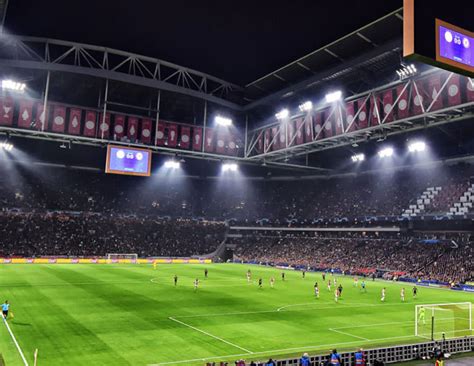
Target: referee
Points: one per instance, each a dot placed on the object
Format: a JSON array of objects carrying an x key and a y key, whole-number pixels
[{"x": 5, "y": 307}]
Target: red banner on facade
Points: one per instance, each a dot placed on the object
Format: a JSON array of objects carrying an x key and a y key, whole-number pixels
[
  {"x": 145, "y": 136},
  {"x": 299, "y": 131},
  {"x": 275, "y": 139},
  {"x": 74, "y": 121},
  {"x": 259, "y": 146},
  {"x": 308, "y": 128},
  {"x": 221, "y": 136},
  {"x": 197, "y": 138},
  {"x": 160, "y": 134},
  {"x": 403, "y": 104},
  {"x": 172, "y": 134},
  {"x": 59, "y": 119},
  {"x": 350, "y": 123},
  {"x": 42, "y": 117},
  {"x": 470, "y": 89},
  {"x": 435, "y": 98},
  {"x": 387, "y": 102},
  {"x": 418, "y": 96},
  {"x": 90, "y": 124},
  {"x": 119, "y": 127},
  {"x": 267, "y": 139},
  {"x": 362, "y": 118},
  {"x": 329, "y": 117},
  {"x": 132, "y": 128},
  {"x": 290, "y": 130},
  {"x": 209, "y": 140},
  {"x": 338, "y": 120},
  {"x": 232, "y": 144},
  {"x": 375, "y": 113},
  {"x": 104, "y": 126},
  {"x": 185, "y": 137},
  {"x": 318, "y": 125},
  {"x": 6, "y": 111},
  {"x": 454, "y": 90}
]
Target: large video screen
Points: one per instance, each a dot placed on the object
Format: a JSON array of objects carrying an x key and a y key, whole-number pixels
[
  {"x": 440, "y": 33},
  {"x": 128, "y": 161},
  {"x": 454, "y": 45}
]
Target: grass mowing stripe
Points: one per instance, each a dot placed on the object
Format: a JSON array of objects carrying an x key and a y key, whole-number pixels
[
  {"x": 113, "y": 315},
  {"x": 210, "y": 335},
  {"x": 15, "y": 341}
]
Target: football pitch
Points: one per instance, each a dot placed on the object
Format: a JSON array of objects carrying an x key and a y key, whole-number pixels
[{"x": 134, "y": 315}]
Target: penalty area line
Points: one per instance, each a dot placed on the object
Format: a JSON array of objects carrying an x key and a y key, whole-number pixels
[
  {"x": 25, "y": 362},
  {"x": 210, "y": 335},
  {"x": 348, "y": 334}
]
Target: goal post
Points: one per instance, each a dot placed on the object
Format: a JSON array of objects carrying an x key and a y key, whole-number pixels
[
  {"x": 119, "y": 257},
  {"x": 438, "y": 321}
]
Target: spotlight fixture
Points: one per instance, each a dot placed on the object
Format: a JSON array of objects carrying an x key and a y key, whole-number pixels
[
  {"x": 13, "y": 85},
  {"x": 284, "y": 113},
  {"x": 6, "y": 146},
  {"x": 358, "y": 157},
  {"x": 306, "y": 106},
  {"x": 223, "y": 121},
  {"x": 172, "y": 164},
  {"x": 229, "y": 167},
  {"x": 333, "y": 96},
  {"x": 406, "y": 71},
  {"x": 385, "y": 153},
  {"x": 417, "y": 146}
]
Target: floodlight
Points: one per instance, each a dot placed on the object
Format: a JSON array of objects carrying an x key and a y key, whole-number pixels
[
  {"x": 333, "y": 96},
  {"x": 385, "y": 153},
  {"x": 306, "y": 106},
  {"x": 172, "y": 164},
  {"x": 284, "y": 113},
  {"x": 358, "y": 157},
  {"x": 223, "y": 121},
  {"x": 6, "y": 146},
  {"x": 417, "y": 146},
  {"x": 13, "y": 85},
  {"x": 229, "y": 167},
  {"x": 406, "y": 71}
]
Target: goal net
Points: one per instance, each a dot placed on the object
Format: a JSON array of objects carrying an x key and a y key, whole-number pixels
[
  {"x": 436, "y": 321},
  {"x": 118, "y": 257}
]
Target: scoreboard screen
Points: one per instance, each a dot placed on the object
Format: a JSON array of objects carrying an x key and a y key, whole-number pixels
[
  {"x": 128, "y": 161},
  {"x": 454, "y": 45},
  {"x": 440, "y": 33}
]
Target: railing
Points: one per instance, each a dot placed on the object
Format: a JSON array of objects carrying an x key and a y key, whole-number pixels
[{"x": 392, "y": 354}]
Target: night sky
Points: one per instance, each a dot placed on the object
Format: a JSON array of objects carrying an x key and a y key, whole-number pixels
[{"x": 236, "y": 40}]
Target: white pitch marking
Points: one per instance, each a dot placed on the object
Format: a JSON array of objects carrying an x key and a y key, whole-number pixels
[
  {"x": 348, "y": 334},
  {"x": 351, "y": 305},
  {"x": 15, "y": 341},
  {"x": 210, "y": 335}
]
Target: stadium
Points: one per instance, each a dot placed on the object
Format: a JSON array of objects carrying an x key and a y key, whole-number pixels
[{"x": 222, "y": 183}]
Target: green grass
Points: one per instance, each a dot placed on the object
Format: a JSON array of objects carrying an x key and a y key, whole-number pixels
[{"x": 116, "y": 314}]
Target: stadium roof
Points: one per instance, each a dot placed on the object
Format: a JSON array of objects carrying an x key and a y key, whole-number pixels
[
  {"x": 363, "y": 60},
  {"x": 238, "y": 41},
  {"x": 355, "y": 57}
]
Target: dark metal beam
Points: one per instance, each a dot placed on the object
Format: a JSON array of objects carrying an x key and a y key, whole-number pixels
[
  {"x": 393, "y": 46},
  {"x": 118, "y": 76}
]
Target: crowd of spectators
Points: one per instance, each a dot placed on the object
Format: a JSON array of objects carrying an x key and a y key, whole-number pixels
[
  {"x": 94, "y": 235},
  {"x": 392, "y": 254},
  {"x": 56, "y": 211},
  {"x": 280, "y": 201}
]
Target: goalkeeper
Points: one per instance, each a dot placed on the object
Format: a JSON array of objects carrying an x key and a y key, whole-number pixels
[{"x": 421, "y": 315}]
